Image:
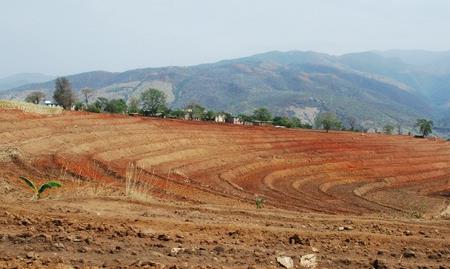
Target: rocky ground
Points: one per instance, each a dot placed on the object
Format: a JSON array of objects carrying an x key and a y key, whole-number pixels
[{"x": 113, "y": 233}]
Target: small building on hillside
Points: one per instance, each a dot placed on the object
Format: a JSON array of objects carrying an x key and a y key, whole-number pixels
[
  {"x": 188, "y": 114},
  {"x": 50, "y": 103},
  {"x": 237, "y": 120},
  {"x": 220, "y": 118}
]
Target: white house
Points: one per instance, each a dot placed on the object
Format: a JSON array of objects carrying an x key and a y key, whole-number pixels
[
  {"x": 49, "y": 103},
  {"x": 220, "y": 118},
  {"x": 237, "y": 120}
]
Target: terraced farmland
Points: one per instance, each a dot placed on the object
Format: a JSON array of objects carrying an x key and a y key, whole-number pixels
[
  {"x": 307, "y": 171},
  {"x": 202, "y": 180}
]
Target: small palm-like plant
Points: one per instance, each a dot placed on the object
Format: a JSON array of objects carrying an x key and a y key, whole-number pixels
[
  {"x": 425, "y": 126},
  {"x": 42, "y": 188}
]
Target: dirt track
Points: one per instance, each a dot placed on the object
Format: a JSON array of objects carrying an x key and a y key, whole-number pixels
[{"x": 351, "y": 198}]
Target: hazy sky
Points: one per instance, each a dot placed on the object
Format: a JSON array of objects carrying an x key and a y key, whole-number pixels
[{"x": 61, "y": 37}]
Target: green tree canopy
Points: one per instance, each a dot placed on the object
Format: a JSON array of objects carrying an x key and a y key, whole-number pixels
[
  {"x": 63, "y": 94},
  {"x": 209, "y": 115},
  {"x": 244, "y": 117},
  {"x": 262, "y": 114},
  {"x": 328, "y": 121},
  {"x": 177, "y": 113},
  {"x": 292, "y": 122},
  {"x": 116, "y": 106},
  {"x": 197, "y": 111},
  {"x": 388, "y": 129},
  {"x": 153, "y": 101},
  {"x": 101, "y": 103}
]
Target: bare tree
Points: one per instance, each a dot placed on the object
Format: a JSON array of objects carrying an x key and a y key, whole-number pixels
[
  {"x": 352, "y": 122},
  {"x": 87, "y": 93},
  {"x": 35, "y": 97},
  {"x": 133, "y": 104}
]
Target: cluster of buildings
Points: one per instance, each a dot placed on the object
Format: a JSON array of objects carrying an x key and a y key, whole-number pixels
[{"x": 223, "y": 118}]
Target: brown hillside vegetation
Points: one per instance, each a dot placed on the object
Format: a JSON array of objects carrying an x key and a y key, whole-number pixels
[{"x": 135, "y": 189}]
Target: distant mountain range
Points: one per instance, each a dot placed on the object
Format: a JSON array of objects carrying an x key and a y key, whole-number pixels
[
  {"x": 21, "y": 79},
  {"x": 375, "y": 88}
]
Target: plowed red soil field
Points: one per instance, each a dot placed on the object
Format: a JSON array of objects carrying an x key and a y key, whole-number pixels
[{"x": 354, "y": 200}]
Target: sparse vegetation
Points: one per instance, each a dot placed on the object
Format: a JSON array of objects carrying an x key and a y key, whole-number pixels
[
  {"x": 136, "y": 188},
  {"x": 38, "y": 191},
  {"x": 35, "y": 97}
]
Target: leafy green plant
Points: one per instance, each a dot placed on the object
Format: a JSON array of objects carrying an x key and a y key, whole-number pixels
[
  {"x": 42, "y": 188},
  {"x": 259, "y": 201}
]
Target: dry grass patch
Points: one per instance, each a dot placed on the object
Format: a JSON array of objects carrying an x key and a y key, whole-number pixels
[{"x": 29, "y": 107}]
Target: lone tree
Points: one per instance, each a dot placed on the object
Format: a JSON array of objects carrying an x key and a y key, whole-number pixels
[
  {"x": 328, "y": 121},
  {"x": 35, "y": 97},
  {"x": 425, "y": 126},
  {"x": 262, "y": 114},
  {"x": 153, "y": 101},
  {"x": 86, "y": 92},
  {"x": 63, "y": 93},
  {"x": 133, "y": 105}
]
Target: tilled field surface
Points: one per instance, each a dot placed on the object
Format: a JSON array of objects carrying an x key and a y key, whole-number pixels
[{"x": 347, "y": 200}]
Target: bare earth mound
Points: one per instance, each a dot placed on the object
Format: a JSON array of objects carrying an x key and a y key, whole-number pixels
[{"x": 355, "y": 201}]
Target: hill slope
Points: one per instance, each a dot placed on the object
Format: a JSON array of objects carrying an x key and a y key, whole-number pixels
[
  {"x": 373, "y": 87},
  {"x": 18, "y": 80}
]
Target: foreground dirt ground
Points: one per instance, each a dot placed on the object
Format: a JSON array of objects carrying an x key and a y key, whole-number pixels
[{"x": 347, "y": 200}]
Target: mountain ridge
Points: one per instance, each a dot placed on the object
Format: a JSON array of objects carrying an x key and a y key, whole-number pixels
[
  {"x": 20, "y": 79},
  {"x": 368, "y": 86}
]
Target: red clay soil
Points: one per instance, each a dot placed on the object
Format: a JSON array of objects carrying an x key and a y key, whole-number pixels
[{"x": 354, "y": 200}]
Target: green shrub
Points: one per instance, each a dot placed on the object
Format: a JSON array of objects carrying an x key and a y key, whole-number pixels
[{"x": 259, "y": 201}]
